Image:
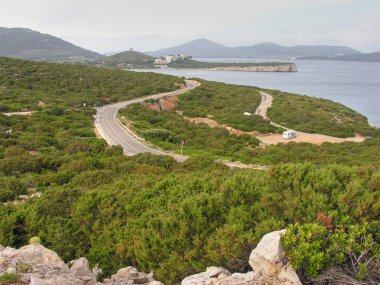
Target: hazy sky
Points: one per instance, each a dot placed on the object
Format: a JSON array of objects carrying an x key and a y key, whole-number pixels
[{"x": 116, "y": 25}]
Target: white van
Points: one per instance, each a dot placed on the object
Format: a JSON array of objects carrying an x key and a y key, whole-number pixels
[{"x": 289, "y": 135}]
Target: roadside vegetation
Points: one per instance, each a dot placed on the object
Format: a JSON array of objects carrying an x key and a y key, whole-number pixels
[
  {"x": 168, "y": 130},
  {"x": 177, "y": 218},
  {"x": 316, "y": 115}
]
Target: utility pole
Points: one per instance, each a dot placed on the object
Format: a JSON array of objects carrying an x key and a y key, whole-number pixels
[{"x": 182, "y": 143}]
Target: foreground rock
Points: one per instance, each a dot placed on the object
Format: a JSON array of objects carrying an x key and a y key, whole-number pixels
[
  {"x": 37, "y": 265},
  {"x": 268, "y": 264},
  {"x": 267, "y": 259}
]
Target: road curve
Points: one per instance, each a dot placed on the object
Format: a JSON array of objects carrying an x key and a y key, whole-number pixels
[{"x": 110, "y": 128}]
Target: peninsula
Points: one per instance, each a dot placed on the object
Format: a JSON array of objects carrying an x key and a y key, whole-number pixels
[
  {"x": 136, "y": 60},
  {"x": 240, "y": 66}
]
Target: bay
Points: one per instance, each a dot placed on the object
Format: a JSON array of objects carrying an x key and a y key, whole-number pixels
[{"x": 354, "y": 84}]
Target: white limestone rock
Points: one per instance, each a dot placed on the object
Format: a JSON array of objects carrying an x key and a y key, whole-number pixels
[
  {"x": 216, "y": 271},
  {"x": 267, "y": 259},
  {"x": 130, "y": 273},
  {"x": 288, "y": 275},
  {"x": 37, "y": 281},
  {"x": 81, "y": 267},
  {"x": 37, "y": 255},
  {"x": 220, "y": 276}
]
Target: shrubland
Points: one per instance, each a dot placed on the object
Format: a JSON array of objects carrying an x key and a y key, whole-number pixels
[
  {"x": 177, "y": 218},
  {"x": 27, "y": 85}
]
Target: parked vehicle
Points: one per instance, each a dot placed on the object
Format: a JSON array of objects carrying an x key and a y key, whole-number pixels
[{"x": 289, "y": 134}]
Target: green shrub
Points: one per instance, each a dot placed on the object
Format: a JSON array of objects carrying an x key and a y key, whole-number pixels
[
  {"x": 157, "y": 134},
  {"x": 24, "y": 267},
  {"x": 314, "y": 248},
  {"x": 9, "y": 278},
  {"x": 35, "y": 240}
]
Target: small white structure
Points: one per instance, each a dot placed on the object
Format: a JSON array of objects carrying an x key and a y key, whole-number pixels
[
  {"x": 247, "y": 114},
  {"x": 289, "y": 135}
]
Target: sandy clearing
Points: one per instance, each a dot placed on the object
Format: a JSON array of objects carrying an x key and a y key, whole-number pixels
[{"x": 317, "y": 139}]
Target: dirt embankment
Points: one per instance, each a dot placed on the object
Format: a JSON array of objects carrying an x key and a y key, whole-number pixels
[{"x": 163, "y": 104}]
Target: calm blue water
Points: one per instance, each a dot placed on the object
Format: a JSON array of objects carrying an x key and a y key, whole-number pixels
[{"x": 354, "y": 84}]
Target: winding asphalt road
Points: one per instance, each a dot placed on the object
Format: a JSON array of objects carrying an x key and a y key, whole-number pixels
[{"x": 115, "y": 133}]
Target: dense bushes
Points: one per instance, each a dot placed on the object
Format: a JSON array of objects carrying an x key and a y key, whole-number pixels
[
  {"x": 317, "y": 247},
  {"x": 184, "y": 218},
  {"x": 350, "y": 153}
]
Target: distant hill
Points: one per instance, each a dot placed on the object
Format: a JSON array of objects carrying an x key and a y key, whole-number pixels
[
  {"x": 205, "y": 48},
  {"x": 197, "y": 48},
  {"x": 127, "y": 59},
  {"x": 365, "y": 57},
  {"x": 32, "y": 45}
]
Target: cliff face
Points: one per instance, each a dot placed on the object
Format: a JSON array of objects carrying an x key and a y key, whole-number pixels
[
  {"x": 36, "y": 265},
  {"x": 286, "y": 67}
]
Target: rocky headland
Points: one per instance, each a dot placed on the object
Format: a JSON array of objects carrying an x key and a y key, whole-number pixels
[{"x": 285, "y": 67}]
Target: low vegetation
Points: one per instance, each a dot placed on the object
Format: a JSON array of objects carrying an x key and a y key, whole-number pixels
[
  {"x": 157, "y": 214},
  {"x": 27, "y": 85},
  {"x": 226, "y": 103},
  {"x": 335, "y": 241},
  {"x": 168, "y": 130},
  {"x": 174, "y": 218},
  {"x": 315, "y": 115},
  {"x": 9, "y": 278}
]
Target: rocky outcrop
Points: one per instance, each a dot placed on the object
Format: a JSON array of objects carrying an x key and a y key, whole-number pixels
[
  {"x": 285, "y": 67},
  {"x": 37, "y": 265},
  {"x": 130, "y": 275}
]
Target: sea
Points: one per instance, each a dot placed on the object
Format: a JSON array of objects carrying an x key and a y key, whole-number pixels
[{"x": 354, "y": 84}]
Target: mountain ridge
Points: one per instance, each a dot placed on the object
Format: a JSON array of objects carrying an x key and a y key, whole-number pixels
[
  {"x": 24, "y": 43},
  {"x": 364, "y": 57},
  {"x": 206, "y": 48}
]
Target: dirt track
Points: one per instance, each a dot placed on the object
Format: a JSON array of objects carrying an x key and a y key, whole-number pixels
[{"x": 266, "y": 102}]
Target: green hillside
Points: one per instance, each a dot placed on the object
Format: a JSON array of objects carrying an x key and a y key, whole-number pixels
[
  {"x": 36, "y": 85},
  {"x": 128, "y": 59}
]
